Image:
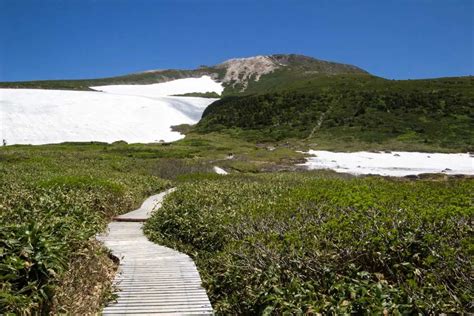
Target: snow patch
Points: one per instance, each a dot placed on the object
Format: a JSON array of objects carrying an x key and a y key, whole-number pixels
[
  {"x": 396, "y": 164},
  {"x": 179, "y": 86},
  {"x": 133, "y": 113},
  {"x": 219, "y": 170},
  {"x": 31, "y": 116}
]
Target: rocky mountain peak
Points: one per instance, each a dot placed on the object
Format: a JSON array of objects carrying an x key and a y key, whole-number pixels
[{"x": 241, "y": 70}]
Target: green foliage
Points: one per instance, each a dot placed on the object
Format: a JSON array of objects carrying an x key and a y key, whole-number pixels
[
  {"x": 200, "y": 94},
  {"x": 55, "y": 198},
  {"x": 379, "y": 111},
  {"x": 316, "y": 243},
  {"x": 182, "y": 128},
  {"x": 52, "y": 203}
]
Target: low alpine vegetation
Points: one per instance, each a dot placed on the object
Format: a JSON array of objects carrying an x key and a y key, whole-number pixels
[
  {"x": 54, "y": 199},
  {"x": 317, "y": 243},
  {"x": 430, "y": 114},
  {"x": 51, "y": 208}
]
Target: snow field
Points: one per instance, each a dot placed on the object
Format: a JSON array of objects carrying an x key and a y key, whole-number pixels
[
  {"x": 136, "y": 114},
  {"x": 179, "y": 86},
  {"x": 395, "y": 163}
]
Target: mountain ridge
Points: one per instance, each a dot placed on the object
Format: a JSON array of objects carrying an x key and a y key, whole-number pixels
[
  {"x": 236, "y": 74},
  {"x": 293, "y": 96}
]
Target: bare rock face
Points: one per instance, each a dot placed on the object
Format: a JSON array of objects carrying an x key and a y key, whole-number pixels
[{"x": 241, "y": 70}]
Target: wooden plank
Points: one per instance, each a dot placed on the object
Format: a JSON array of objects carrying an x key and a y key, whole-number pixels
[
  {"x": 152, "y": 279},
  {"x": 145, "y": 210}
]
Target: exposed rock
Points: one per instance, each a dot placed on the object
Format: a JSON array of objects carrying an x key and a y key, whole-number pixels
[{"x": 242, "y": 70}]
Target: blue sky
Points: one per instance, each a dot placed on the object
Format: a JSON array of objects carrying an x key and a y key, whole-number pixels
[{"x": 68, "y": 39}]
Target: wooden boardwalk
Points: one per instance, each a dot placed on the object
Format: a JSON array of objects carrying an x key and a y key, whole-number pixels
[{"x": 152, "y": 279}]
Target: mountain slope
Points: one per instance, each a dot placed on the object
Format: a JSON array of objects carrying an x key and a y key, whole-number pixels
[
  {"x": 436, "y": 113},
  {"x": 240, "y": 75},
  {"x": 293, "y": 96}
]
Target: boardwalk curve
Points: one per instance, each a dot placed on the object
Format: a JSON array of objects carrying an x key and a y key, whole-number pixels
[{"x": 152, "y": 279}]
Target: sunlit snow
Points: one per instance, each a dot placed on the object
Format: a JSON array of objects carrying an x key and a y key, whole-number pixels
[
  {"x": 219, "y": 170},
  {"x": 391, "y": 163},
  {"x": 179, "y": 86},
  {"x": 141, "y": 113}
]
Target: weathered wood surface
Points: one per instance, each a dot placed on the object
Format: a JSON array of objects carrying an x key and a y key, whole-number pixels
[
  {"x": 144, "y": 212},
  {"x": 152, "y": 279}
]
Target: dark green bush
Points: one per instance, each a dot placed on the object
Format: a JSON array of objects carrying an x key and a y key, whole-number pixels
[{"x": 374, "y": 114}]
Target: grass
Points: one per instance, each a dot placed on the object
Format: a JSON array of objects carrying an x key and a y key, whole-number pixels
[
  {"x": 53, "y": 202},
  {"x": 55, "y": 198},
  {"x": 279, "y": 243},
  {"x": 309, "y": 243}
]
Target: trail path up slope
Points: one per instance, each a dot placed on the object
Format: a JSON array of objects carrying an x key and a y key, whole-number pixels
[{"x": 152, "y": 279}]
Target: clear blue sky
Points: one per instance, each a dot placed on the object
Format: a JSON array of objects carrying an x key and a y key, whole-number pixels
[{"x": 60, "y": 39}]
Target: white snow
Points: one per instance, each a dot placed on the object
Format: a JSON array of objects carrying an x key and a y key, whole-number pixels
[
  {"x": 135, "y": 114},
  {"x": 395, "y": 163},
  {"x": 219, "y": 170},
  {"x": 179, "y": 86}
]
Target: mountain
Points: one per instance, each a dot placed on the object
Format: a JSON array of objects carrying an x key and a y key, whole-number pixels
[
  {"x": 238, "y": 76},
  {"x": 280, "y": 96}
]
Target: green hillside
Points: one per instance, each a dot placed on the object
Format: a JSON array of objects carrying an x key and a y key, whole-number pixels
[{"x": 436, "y": 113}]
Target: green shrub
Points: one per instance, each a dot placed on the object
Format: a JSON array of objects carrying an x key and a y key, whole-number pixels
[
  {"x": 51, "y": 208},
  {"x": 419, "y": 112},
  {"x": 299, "y": 243}
]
